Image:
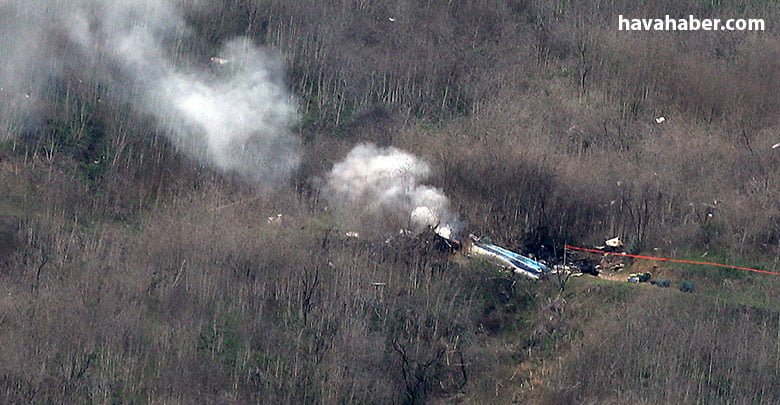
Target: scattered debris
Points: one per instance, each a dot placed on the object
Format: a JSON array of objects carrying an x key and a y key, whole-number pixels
[
  {"x": 275, "y": 220},
  {"x": 639, "y": 277},
  {"x": 391, "y": 19},
  {"x": 438, "y": 243},
  {"x": 562, "y": 268},
  {"x": 377, "y": 284},
  {"x": 660, "y": 120},
  {"x": 585, "y": 266},
  {"x": 610, "y": 264},
  {"x": 775, "y": 146},
  {"x": 219, "y": 61},
  {"x": 565, "y": 269}
]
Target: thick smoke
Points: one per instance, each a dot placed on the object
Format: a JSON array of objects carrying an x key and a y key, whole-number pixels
[
  {"x": 232, "y": 112},
  {"x": 381, "y": 181}
]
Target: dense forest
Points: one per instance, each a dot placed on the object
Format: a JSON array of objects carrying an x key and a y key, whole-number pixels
[{"x": 174, "y": 226}]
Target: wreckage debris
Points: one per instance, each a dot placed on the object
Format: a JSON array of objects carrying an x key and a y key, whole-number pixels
[
  {"x": 275, "y": 220},
  {"x": 566, "y": 269},
  {"x": 613, "y": 245},
  {"x": 639, "y": 277},
  {"x": 438, "y": 243},
  {"x": 515, "y": 262},
  {"x": 610, "y": 264}
]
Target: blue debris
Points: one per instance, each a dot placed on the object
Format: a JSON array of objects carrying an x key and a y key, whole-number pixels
[{"x": 514, "y": 261}]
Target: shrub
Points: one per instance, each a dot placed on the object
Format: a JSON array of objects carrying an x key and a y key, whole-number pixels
[
  {"x": 686, "y": 286},
  {"x": 661, "y": 282}
]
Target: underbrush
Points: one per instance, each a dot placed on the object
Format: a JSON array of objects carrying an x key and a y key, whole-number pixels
[{"x": 671, "y": 347}]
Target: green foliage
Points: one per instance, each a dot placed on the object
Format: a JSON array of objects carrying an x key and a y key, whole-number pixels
[
  {"x": 634, "y": 248},
  {"x": 716, "y": 273},
  {"x": 6, "y": 145},
  {"x": 223, "y": 339},
  {"x": 713, "y": 4}
]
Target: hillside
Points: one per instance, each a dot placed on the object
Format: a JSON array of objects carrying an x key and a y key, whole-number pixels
[{"x": 231, "y": 202}]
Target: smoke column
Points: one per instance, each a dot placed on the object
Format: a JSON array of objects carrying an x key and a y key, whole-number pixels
[
  {"x": 380, "y": 181},
  {"x": 233, "y": 114}
]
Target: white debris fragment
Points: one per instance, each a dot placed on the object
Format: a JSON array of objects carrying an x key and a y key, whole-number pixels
[
  {"x": 444, "y": 231},
  {"x": 614, "y": 242},
  {"x": 775, "y": 146},
  {"x": 660, "y": 120},
  {"x": 275, "y": 220},
  {"x": 561, "y": 268},
  {"x": 391, "y": 19},
  {"x": 219, "y": 61},
  {"x": 351, "y": 234}
]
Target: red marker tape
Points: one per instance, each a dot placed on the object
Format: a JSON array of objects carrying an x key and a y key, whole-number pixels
[{"x": 666, "y": 259}]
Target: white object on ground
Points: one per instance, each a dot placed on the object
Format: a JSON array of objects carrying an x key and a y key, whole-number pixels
[{"x": 614, "y": 242}]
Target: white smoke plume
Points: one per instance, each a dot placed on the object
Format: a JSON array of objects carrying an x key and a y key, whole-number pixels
[
  {"x": 232, "y": 113},
  {"x": 385, "y": 182}
]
